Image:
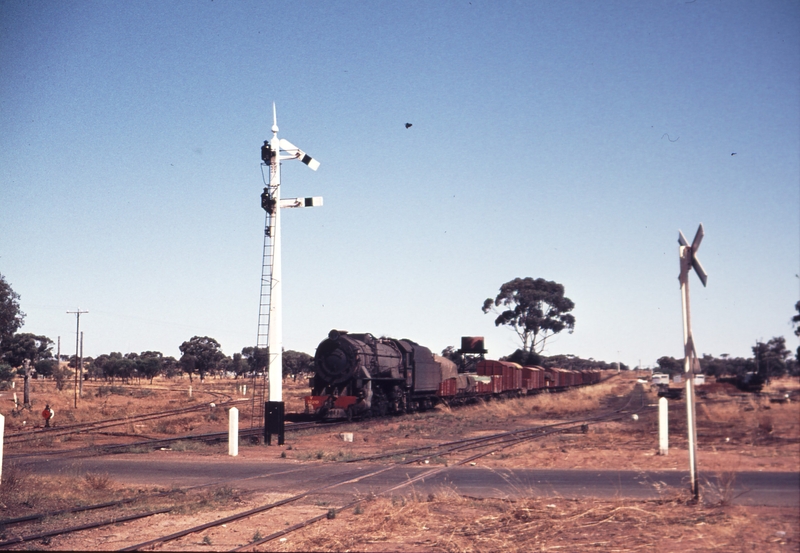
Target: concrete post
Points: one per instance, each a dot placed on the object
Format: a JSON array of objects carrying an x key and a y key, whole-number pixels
[
  {"x": 233, "y": 432},
  {"x": 2, "y": 433},
  {"x": 190, "y": 391},
  {"x": 663, "y": 426}
]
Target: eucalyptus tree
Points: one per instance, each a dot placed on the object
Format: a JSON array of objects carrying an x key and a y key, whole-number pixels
[{"x": 536, "y": 309}]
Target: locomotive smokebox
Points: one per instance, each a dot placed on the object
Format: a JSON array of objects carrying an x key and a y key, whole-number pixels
[{"x": 335, "y": 361}]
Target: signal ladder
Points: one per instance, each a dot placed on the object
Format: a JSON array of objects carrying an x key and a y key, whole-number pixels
[{"x": 260, "y": 384}]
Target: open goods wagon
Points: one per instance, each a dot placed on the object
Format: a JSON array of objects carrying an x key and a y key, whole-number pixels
[{"x": 360, "y": 375}]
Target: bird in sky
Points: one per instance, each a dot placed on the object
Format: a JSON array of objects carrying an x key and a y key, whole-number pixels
[{"x": 408, "y": 125}]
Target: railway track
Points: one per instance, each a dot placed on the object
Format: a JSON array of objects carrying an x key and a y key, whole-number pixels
[
  {"x": 154, "y": 443},
  {"x": 80, "y": 428},
  {"x": 458, "y": 452},
  {"x": 468, "y": 451}
]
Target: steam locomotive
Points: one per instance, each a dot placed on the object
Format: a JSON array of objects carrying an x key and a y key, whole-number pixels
[{"x": 358, "y": 375}]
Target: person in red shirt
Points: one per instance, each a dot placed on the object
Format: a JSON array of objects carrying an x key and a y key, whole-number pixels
[{"x": 47, "y": 414}]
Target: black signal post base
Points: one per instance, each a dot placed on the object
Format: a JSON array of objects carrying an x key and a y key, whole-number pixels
[{"x": 273, "y": 421}]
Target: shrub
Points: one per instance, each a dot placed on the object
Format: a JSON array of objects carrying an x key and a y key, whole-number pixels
[{"x": 97, "y": 481}]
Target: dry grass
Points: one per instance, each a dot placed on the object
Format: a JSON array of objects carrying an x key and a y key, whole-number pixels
[
  {"x": 752, "y": 420},
  {"x": 101, "y": 400},
  {"x": 450, "y": 523},
  {"x": 22, "y": 492},
  {"x": 578, "y": 400},
  {"x": 98, "y": 481},
  {"x": 759, "y": 434},
  {"x": 573, "y": 401},
  {"x": 497, "y": 414},
  {"x": 14, "y": 485},
  {"x": 782, "y": 385}
]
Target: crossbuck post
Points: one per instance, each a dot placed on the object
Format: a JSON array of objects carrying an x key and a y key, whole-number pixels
[{"x": 688, "y": 261}]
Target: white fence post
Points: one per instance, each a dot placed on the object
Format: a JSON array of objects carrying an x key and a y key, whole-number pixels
[
  {"x": 190, "y": 391},
  {"x": 2, "y": 433},
  {"x": 233, "y": 432},
  {"x": 663, "y": 426}
]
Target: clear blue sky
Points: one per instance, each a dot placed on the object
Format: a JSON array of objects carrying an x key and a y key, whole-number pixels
[{"x": 562, "y": 140}]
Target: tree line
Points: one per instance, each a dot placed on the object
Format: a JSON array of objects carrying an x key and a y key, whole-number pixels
[
  {"x": 770, "y": 359},
  {"x": 27, "y": 354},
  {"x": 535, "y": 309},
  {"x": 202, "y": 357}
]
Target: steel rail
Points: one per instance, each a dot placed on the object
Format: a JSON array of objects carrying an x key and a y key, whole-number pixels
[
  {"x": 155, "y": 442},
  {"x": 21, "y": 437},
  {"x": 97, "y": 506},
  {"x": 251, "y": 512},
  {"x": 89, "y": 526},
  {"x": 493, "y": 436},
  {"x": 426, "y": 474},
  {"x": 246, "y": 514}
]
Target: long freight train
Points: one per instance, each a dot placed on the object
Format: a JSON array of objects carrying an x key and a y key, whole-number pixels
[{"x": 358, "y": 375}]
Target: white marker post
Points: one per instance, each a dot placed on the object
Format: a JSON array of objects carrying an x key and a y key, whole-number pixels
[
  {"x": 233, "y": 432},
  {"x": 663, "y": 426},
  {"x": 2, "y": 435},
  {"x": 272, "y": 203},
  {"x": 688, "y": 260}
]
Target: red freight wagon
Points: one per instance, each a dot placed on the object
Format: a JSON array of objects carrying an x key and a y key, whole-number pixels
[
  {"x": 510, "y": 373},
  {"x": 550, "y": 378},
  {"x": 571, "y": 378},
  {"x": 489, "y": 384},
  {"x": 447, "y": 388},
  {"x": 532, "y": 378},
  {"x": 555, "y": 378},
  {"x": 483, "y": 384},
  {"x": 497, "y": 384}
]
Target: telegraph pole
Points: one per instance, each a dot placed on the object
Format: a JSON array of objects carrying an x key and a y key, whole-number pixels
[
  {"x": 688, "y": 261},
  {"x": 78, "y": 314},
  {"x": 80, "y": 364}
]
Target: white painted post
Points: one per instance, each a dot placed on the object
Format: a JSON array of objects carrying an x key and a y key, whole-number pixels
[
  {"x": 275, "y": 330},
  {"x": 685, "y": 254},
  {"x": 688, "y": 260},
  {"x": 16, "y": 401},
  {"x": 663, "y": 426},
  {"x": 233, "y": 432},
  {"x": 190, "y": 391},
  {"x": 244, "y": 389},
  {"x": 2, "y": 433}
]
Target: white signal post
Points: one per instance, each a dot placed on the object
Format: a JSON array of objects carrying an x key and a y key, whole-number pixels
[
  {"x": 689, "y": 260},
  {"x": 279, "y": 150}
]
